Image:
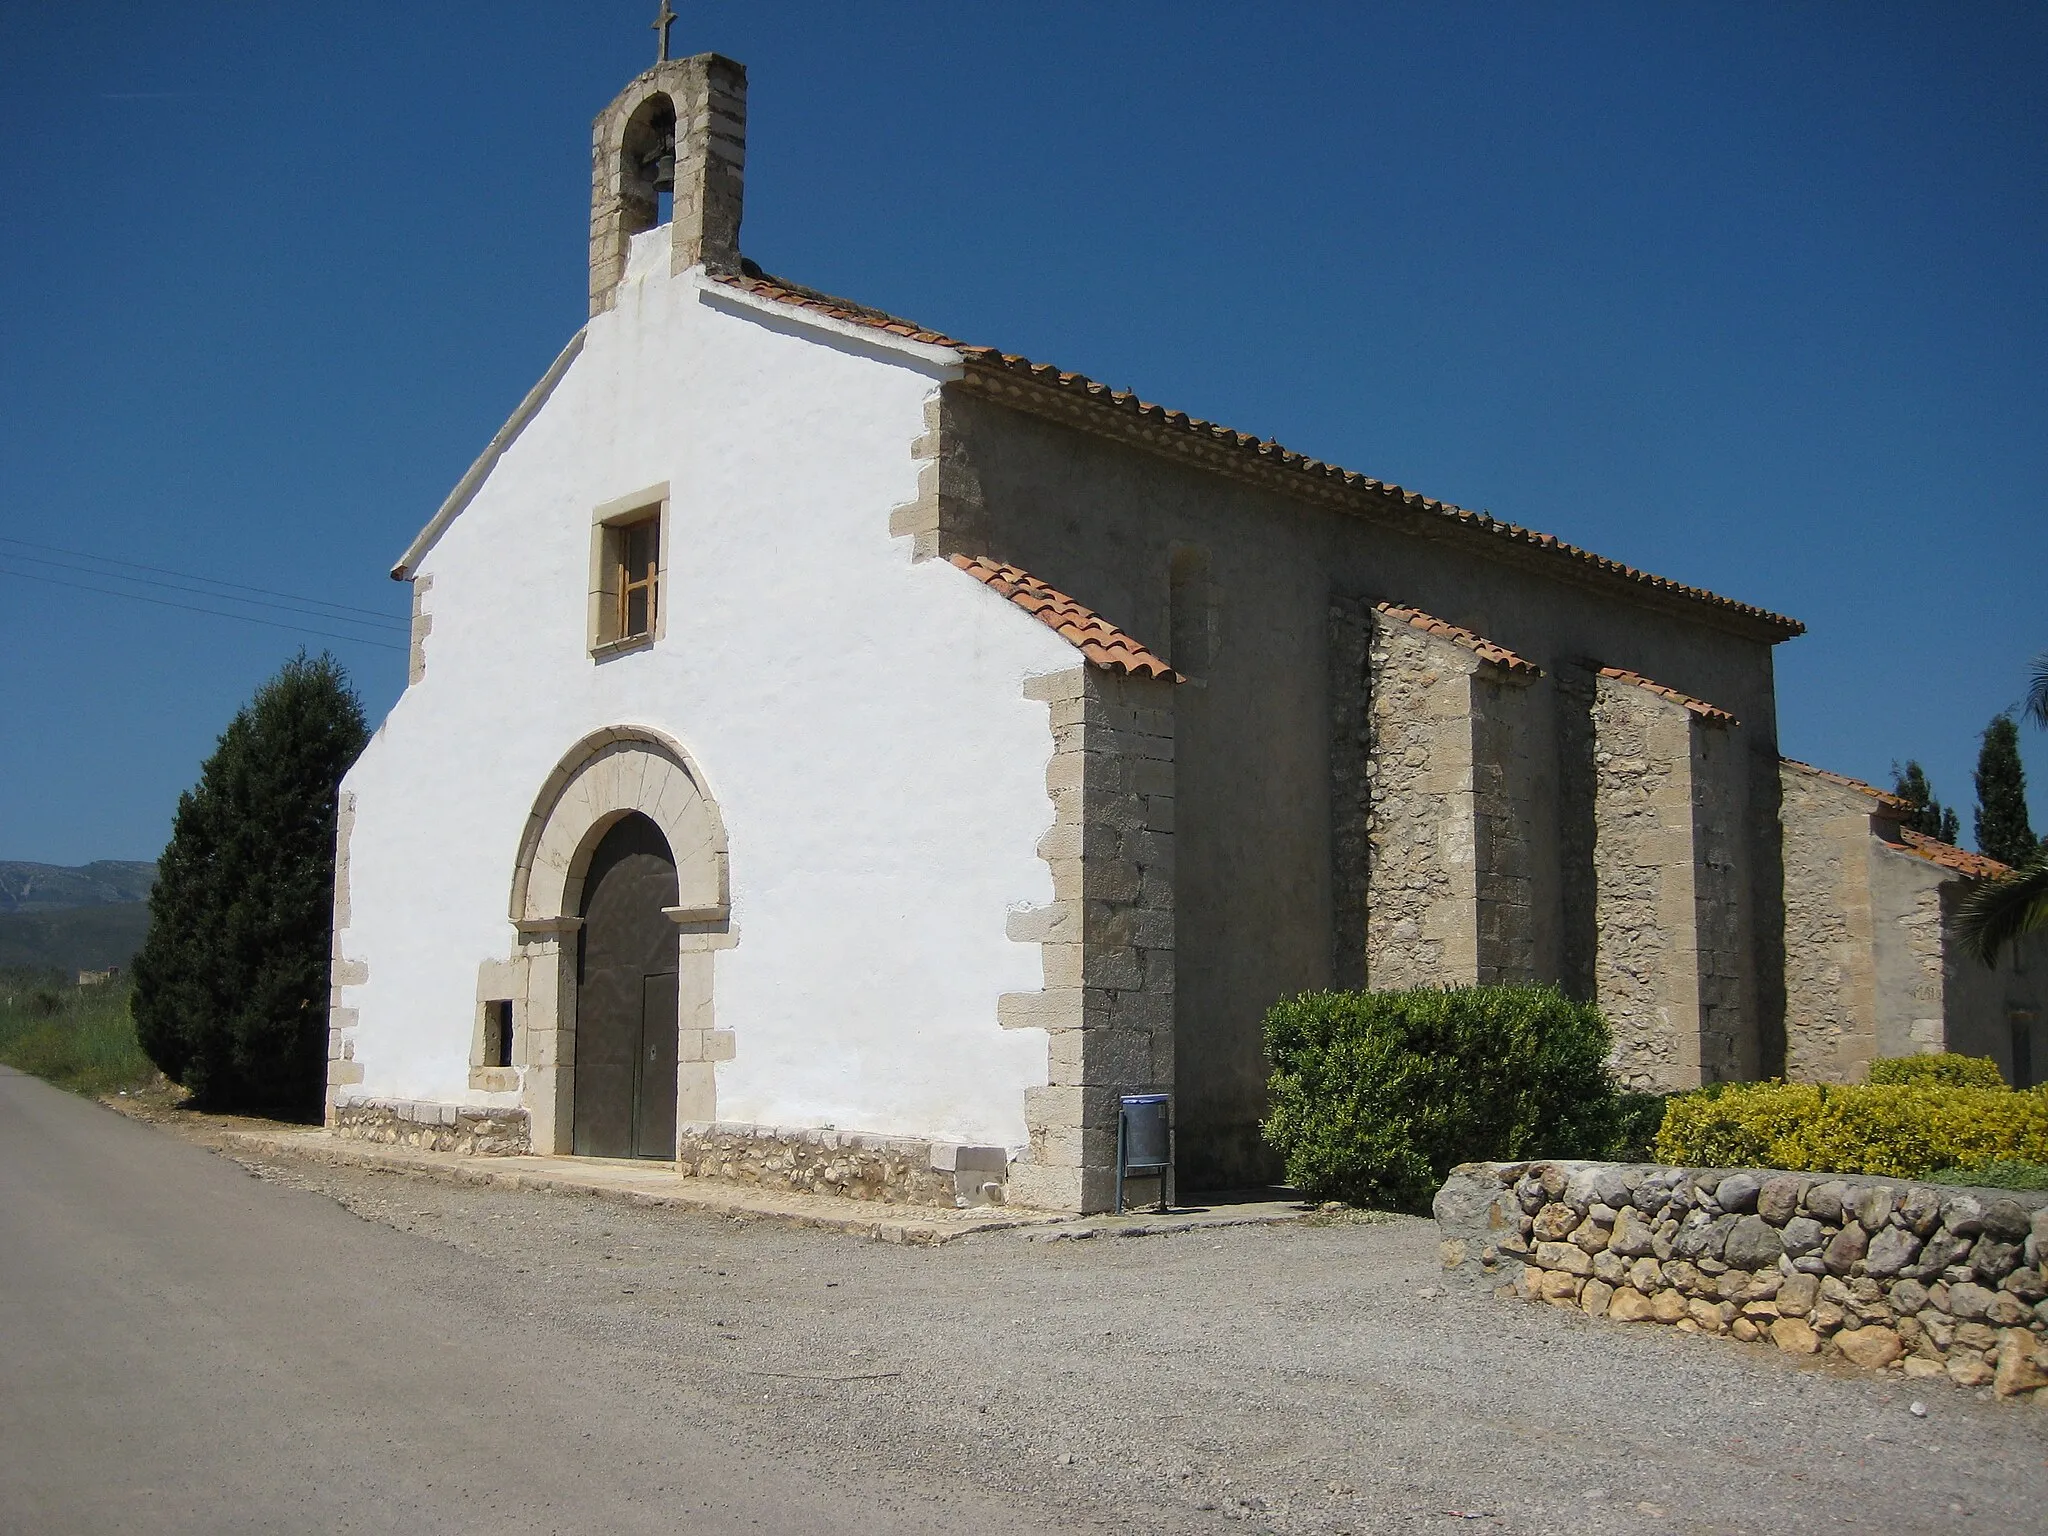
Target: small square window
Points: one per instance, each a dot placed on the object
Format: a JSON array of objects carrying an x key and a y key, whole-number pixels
[{"x": 498, "y": 1033}]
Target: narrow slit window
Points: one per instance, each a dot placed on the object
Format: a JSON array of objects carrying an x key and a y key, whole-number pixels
[
  {"x": 639, "y": 577},
  {"x": 498, "y": 1033}
]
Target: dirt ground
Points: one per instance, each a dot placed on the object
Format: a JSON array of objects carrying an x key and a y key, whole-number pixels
[{"x": 1312, "y": 1377}]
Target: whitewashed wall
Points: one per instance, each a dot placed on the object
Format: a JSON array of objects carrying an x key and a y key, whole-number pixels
[{"x": 859, "y": 720}]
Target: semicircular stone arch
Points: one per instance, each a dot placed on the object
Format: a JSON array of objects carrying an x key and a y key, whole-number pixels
[{"x": 608, "y": 775}]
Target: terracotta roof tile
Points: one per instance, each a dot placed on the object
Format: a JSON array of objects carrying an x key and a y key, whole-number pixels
[
  {"x": 1975, "y": 865},
  {"x": 1094, "y": 636},
  {"x": 1499, "y": 655},
  {"x": 1700, "y": 707},
  {"x": 1266, "y": 450},
  {"x": 1889, "y": 804}
]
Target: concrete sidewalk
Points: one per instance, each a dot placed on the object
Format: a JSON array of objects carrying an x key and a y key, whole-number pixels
[{"x": 638, "y": 1182}]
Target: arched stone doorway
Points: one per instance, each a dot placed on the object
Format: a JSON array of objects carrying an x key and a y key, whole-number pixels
[
  {"x": 626, "y": 997},
  {"x": 571, "y": 850}
]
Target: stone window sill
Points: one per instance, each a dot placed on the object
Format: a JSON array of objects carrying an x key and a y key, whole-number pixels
[{"x": 610, "y": 648}]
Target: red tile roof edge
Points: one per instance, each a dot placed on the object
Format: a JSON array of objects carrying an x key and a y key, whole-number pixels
[
  {"x": 1976, "y": 865},
  {"x": 1712, "y": 714},
  {"x": 1100, "y": 641},
  {"x": 778, "y": 291},
  {"x": 1889, "y": 804},
  {"x": 1485, "y": 649}
]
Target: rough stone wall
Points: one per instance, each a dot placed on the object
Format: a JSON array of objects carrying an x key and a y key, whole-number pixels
[
  {"x": 1830, "y": 980},
  {"x": 1420, "y": 927},
  {"x": 1108, "y": 935},
  {"x": 1447, "y": 891},
  {"x": 1577, "y": 792},
  {"x": 1646, "y": 976},
  {"x": 1916, "y": 936},
  {"x": 1502, "y": 818},
  {"x": 1351, "y": 626},
  {"x": 1928, "y": 1281},
  {"x": 433, "y": 1127},
  {"x": 893, "y": 1170},
  {"x": 1727, "y": 1043}
]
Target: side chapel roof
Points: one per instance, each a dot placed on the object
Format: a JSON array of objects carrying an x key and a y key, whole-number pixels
[
  {"x": 1485, "y": 649},
  {"x": 1088, "y": 631},
  {"x": 1711, "y": 713},
  {"x": 1976, "y": 865}
]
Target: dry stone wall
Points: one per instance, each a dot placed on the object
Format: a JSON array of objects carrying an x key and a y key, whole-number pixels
[{"x": 1928, "y": 1281}]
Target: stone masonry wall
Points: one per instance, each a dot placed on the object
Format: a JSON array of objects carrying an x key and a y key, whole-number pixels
[
  {"x": 1924, "y": 1280},
  {"x": 1108, "y": 935},
  {"x": 1727, "y": 1040},
  {"x": 1351, "y": 626},
  {"x": 889, "y": 1169},
  {"x": 1447, "y": 882},
  {"x": 433, "y": 1127},
  {"x": 1646, "y": 975},
  {"x": 1830, "y": 983}
]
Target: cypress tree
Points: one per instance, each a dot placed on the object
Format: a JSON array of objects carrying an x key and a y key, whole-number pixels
[
  {"x": 1929, "y": 816},
  {"x": 2002, "y": 829},
  {"x": 231, "y": 982}
]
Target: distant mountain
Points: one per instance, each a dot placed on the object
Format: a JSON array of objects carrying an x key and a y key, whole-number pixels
[
  {"x": 57, "y": 888},
  {"x": 75, "y": 938}
]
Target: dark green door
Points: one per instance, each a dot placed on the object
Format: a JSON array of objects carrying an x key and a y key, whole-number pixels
[{"x": 625, "y": 1104}]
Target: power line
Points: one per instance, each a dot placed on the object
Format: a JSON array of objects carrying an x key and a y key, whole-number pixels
[
  {"x": 387, "y": 621},
  {"x": 158, "y": 570},
  {"x": 246, "y": 618}
]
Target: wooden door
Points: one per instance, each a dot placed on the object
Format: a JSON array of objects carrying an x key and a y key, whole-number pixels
[{"x": 625, "y": 1100}]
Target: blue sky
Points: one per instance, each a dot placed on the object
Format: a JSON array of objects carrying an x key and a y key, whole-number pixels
[{"x": 1749, "y": 296}]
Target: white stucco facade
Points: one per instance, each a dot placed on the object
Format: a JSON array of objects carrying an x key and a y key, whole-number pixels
[{"x": 859, "y": 720}]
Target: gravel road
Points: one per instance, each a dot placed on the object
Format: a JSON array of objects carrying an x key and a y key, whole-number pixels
[
  {"x": 1288, "y": 1379},
  {"x": 1301, "y": 1378}
]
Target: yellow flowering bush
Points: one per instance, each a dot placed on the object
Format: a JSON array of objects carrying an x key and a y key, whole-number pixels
[
  {"x": 1897, "y": 1130},
  {"x": 1944, "y": 1067}
]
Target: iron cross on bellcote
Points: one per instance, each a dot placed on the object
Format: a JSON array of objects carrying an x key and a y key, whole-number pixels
[{"x": 661, "y": 24}]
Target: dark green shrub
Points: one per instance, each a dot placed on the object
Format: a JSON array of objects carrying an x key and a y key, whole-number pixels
[
  {"x": 1946, "y": 1068},
  {"x": 1377, "y": 1095},
  {"x": 231, "y": 984}
]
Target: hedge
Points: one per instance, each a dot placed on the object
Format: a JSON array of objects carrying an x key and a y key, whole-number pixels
[
  {"x": 1377, "y": 1095},
  {"x": 1898, "y": 1130},
  {"x": 1946, "y": 1067}
]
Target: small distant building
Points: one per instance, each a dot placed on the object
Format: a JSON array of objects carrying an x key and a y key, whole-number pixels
[{"x": 98, "y": 978}]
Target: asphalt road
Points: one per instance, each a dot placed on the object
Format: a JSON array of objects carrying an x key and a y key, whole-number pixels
[{"x": 187, "y": 1348}]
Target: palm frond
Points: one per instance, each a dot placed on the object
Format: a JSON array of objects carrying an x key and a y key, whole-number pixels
[
  {"x": 2037, "y": 692},
  {"x": 1997, "y": 912}
]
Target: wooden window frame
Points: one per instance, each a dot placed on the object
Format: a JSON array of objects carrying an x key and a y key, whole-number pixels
[{"x": 613, "y": 586}]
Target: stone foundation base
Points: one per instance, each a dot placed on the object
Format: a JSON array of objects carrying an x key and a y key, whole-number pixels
[
  {"x": 897, "y": 1171},
  {"x": 433, "y": 1127}
]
